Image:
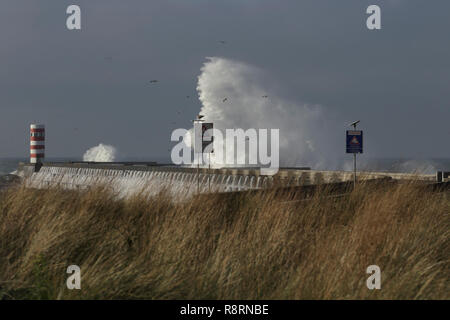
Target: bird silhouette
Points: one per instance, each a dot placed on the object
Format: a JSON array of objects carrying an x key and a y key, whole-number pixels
[
  {"x": 225, "y": 99},
  {"x": 222, "y": 41},
  {"x": 187, "y": 97},
  {"x": 153, "y": 81},
  {"x": 264, "y": 96}
]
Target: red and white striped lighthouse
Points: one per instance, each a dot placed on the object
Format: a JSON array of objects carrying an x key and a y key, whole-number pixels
[{"x": 37, "y": 143}]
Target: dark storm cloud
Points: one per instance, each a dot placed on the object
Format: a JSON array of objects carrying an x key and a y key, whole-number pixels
[{"x": 97, "y": 80}]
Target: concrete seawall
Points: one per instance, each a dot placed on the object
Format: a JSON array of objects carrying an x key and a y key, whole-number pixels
[{"x": 285, "y": 176}]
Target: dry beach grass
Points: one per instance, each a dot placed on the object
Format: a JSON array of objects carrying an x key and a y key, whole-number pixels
[{"x": 245, "y": 246}]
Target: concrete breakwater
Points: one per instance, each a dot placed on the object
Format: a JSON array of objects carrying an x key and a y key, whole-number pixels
[{"x": 128, "y": 178}]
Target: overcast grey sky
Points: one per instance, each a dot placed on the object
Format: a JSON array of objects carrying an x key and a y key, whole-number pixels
[{"x": 92, "y": 86}]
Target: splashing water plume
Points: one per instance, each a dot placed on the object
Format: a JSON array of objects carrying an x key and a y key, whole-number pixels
[
  {"x": 236, "y": 95},
  {"x": 100, "y": 153}
]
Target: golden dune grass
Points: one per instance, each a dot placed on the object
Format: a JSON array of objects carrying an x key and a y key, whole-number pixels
[{"x": 248, "y": 246}]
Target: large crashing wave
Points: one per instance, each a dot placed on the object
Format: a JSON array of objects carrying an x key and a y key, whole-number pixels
[{"x": 236, "y": 95}]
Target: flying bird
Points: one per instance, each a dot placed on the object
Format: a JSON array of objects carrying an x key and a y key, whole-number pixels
[
  {"x": 187, "y": 97},
  {"x": 264, "y": 96},
  {"x": 224, "y": 99},
  {"x": 199, "y": 117},
  {"x": 222, "y": 42},
  {"x": 153, "y": 81}
]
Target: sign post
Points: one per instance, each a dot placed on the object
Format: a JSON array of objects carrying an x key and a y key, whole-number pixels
[
  {"x": 198, "y": 146},
  {"x": 203, "y": 137},
  {"x": 354, "y": 140},
  {"x": 207, "y": 139}
]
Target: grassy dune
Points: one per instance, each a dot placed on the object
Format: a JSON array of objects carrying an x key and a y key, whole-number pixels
[{"x": 249, "y": 246}]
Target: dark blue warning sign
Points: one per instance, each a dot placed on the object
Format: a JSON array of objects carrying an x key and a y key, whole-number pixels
[{"x": 354, "y": 141}]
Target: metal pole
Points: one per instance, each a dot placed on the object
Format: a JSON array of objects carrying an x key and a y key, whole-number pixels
[
  {"x": 198, "y": 160},
  {"x": 198, "y": 174},
  {"x": 209, "y": 171},
  {"x": 354, "y": 164},
  {"x": 198, "y": 120}
]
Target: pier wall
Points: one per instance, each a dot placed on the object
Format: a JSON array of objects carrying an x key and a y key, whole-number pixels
[{"x": 131, "y": 177}]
